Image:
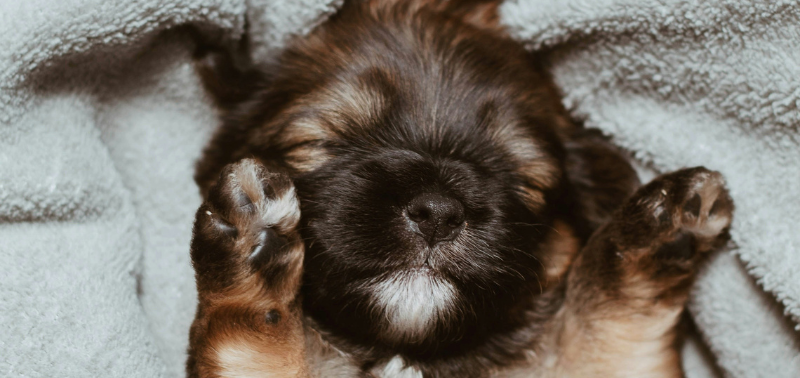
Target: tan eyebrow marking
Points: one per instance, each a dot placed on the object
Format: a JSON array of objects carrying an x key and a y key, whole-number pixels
[
  {"x": 340, "y": 108},
  {"x": 537, "y": 169}
]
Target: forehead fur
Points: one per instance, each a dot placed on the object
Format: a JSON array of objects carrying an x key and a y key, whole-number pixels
[
  {"x": 412, "y": 113},
  {"x": 421, "y": 89}
]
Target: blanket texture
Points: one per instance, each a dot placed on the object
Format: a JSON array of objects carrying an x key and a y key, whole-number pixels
[{"x": 102, "y": 118}]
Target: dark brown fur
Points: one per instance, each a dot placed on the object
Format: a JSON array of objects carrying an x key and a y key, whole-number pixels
[{"x": 437, "y": 73}]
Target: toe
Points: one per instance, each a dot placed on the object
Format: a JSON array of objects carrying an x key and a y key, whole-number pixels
[{"x": 708, "y": 211}]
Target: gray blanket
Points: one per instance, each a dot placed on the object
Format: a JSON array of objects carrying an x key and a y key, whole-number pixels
[{"x": 102, "y": 117}]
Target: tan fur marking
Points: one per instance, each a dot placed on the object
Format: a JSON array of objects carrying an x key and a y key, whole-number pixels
[
  {"x": 539, "y": 174},
  {"x": 310, "y": 129},
  {"x": 352, "y": 106},
  {"x": 240, "y": 359},
  {"x": 340, "y": 108},
  {"x": 561, "y": 245},
  {"x": 536, "y": 168},
  {"x": 240, "y": 341},
  {"x": 619, "y": 343},
  {"x": 532, "y": 198},
  {"x": 253, "y": 348},
  {"x": 307, "y": 158},
  {"x": 628, "y": 335}
]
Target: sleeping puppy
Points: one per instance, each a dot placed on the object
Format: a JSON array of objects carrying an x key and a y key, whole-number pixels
[{"x": 402, "y": 194}]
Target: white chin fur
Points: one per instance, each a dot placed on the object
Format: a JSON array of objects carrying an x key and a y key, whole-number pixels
[{"x": 413, "y": 302}]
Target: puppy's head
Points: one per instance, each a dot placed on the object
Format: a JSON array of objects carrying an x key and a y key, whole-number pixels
[
  {"x": 424, "y": 207},
  {"x": 429, "y": 159}
]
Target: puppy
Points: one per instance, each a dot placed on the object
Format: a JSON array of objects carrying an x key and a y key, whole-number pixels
[{"x": 402, "y": 194}]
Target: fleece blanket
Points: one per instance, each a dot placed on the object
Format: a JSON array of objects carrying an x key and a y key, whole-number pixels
[{"x": 102, "y": 118}]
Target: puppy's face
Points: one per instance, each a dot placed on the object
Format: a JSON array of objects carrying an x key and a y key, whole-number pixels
[
  {"x": 429, "y": 164},
  {"x": 424, "y": 209},
  {"x": 427, "y": 190}
]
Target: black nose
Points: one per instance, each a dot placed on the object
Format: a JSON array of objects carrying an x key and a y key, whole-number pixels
[{"x": 436, "y": 218}]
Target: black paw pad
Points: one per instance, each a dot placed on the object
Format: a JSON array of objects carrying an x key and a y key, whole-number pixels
[
  {"x": 270, "y": 244},
  {"x": 683, "y": 247},
  {"x": 693, "y": 206},
  {"x": 272, "y": 317}
]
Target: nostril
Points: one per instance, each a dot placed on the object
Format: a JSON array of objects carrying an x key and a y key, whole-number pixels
[{"x": 418, "y": 214}]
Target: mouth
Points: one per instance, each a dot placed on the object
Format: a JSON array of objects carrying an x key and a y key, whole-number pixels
[
  {"x": 425, "y": 262},
  {"x": 424, "y": 270},
  {"x": 425, "y": 257}
]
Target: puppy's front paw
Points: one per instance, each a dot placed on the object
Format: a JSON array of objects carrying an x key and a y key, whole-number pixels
[
  {"x": 680, "y": 214},
  {"x": 644, "y": 260},
  {"x": 627, "y": 288},
  {"x": 248, "y": 260},
  {"x": 246, "y": 228},
  {"x": 663, "y": 231}
]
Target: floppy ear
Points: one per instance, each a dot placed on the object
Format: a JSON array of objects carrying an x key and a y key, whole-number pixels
[
  {"x": 227, "y": 72},
  {"x": 233, "y": 82},
  {"x": 600, "y": 175}
]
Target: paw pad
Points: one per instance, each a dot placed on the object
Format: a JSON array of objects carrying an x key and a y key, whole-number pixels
[
  {"x": 251, "y": 199},
  {"x": 709, "y": 209},
  {"x": 251, "y": 213},
  {"x": 692, "y": 208}
]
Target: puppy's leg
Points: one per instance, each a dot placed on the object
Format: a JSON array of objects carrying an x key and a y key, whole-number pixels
[
  {"x": 628, "y": 287},
  {"x": 248, "y": 260}
]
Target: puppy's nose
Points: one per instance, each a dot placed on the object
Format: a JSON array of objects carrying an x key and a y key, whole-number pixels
[{"x": 436, "y": 217}]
